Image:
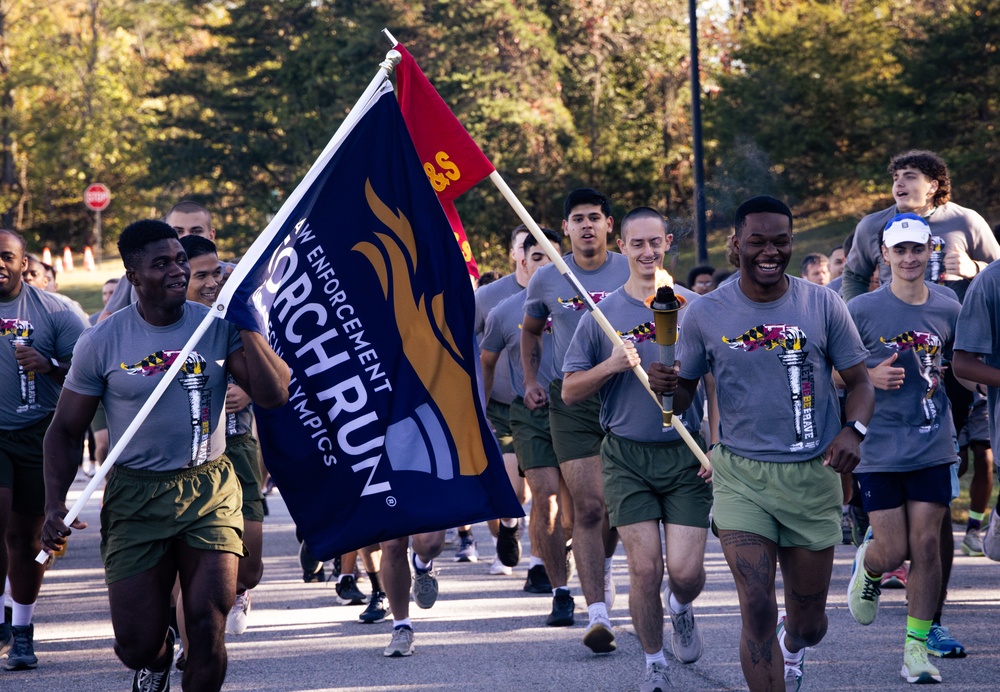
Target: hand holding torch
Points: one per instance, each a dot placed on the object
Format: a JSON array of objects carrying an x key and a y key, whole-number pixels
[{"x": 665, "y": 305}]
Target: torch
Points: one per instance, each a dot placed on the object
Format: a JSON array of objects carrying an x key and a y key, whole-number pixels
[{"x": 665, "y": 305}]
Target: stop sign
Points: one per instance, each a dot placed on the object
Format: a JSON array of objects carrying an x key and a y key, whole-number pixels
[{"x": 97, "y": 196}]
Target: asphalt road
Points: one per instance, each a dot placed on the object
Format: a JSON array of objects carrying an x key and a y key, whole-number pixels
[{"x": 485, "y": 633}]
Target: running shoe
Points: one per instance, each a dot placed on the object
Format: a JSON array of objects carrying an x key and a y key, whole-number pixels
[
  {"x": 599, "y": 638},
  {"x": 686, "y": 641},
  {"x": 348, "y": 592},
  {"x": 312, "y": 569},
  {"x": 656, "y": 679},
  {"x": 940, "y": 643},
  {"x": 147, "y": 680},
  {"x": 916, "y": 667},
  {"x": 498, "y": 567},
  {"x": 425, "y": 586},
  {"x": 972, "y": 544},
  {"x": 450, "y": 537},
  {"x": 793, "y": 662},
  {"x": 537, "y": 581},
  {"x": 401, "y": 644},
  {"x": 846, "y": 528},
  {"x": 7, "y": 637},
  {"x": 609, "y": 589},
  {"x": 236, "y": 621},
  {"x": 377, "y": 610},
  {"x": 863, "y": 593},
  {"x": 896, "y": 579},
  {"x": 991, "y": 542},
  {"x": 22, "y": 651},
  {"x": 859, "y": 524},
  {"x": 468, "y": 550},
  {"x": 509, "y": 545},
  {"x": 562, "y": 610}
]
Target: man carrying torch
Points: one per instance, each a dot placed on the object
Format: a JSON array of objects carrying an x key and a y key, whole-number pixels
[{"x": 649, "y": 474}]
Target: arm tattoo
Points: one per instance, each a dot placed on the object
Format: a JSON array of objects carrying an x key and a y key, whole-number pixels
[
  {"x": 759, "y": 652},
  {"x": 535, "y": 355},
  {"x": 754, "y": 574}
]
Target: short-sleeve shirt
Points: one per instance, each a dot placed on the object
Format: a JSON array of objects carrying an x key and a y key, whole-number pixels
[
  {"x": 979, "y": 332},
  {"x": 503, "y": 333},
  {"x": 36, "y": 319},
  {"x": 627, "y": 410},
  {"x": 487, "y": 298},
  {"x": 772, "y": 364},
  {"x": 953, "y": 227},
  {"x": 241, "y": 422},
  {"x": 912, "y": 426},
  {"x": 549, "y": 294},
  {"x": 122, "y": 360}
]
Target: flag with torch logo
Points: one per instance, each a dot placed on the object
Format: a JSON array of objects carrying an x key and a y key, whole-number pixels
[{"x": 452, "y": 161}]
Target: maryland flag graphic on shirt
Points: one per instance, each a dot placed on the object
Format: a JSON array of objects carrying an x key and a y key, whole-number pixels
[{"x": 193, "y": 379}]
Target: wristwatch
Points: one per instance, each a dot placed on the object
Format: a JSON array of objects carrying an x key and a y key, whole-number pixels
[
  {"x": 858, "y": 427},
  {"x": 55, "y": 364}
]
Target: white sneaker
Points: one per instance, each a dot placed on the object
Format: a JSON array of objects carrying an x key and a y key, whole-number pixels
[
  {"x": 236, "y": 621},
  {"x": 498, "y": 567},
  {"x": 609, "y": 590},
  {"x": 599, "y": 637}
]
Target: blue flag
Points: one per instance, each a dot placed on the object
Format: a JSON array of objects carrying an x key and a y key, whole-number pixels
[{"x": 359, "y": 286}]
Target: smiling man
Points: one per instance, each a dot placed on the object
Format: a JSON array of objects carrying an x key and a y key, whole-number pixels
[
  {"x": 172, "y": 506},
  {"x": 650, "y": 476},
  {"x": 771, "y": 342}
]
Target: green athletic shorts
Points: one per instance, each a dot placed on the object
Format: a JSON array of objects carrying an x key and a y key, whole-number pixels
[
  {"x": 499, "y": 417},
  {"x": 653, "y": 481},
  {"x": 21, "y": 466},
  {"x": 532, "y": 439},
  {"x": 576, "y": 430},
  {"x": 145, "y": 511},
  {"x": 796, "y": 505},
  {"x": 242, "y": 451}
]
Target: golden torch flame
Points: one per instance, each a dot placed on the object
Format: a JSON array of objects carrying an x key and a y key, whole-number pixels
[{"x": 663, "y": 278}]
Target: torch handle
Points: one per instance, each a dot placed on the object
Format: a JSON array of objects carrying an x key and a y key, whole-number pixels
[{"x": 667, "y": 358}]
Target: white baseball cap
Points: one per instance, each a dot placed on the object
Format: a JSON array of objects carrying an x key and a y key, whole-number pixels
[{"x": 906, "y": 228}]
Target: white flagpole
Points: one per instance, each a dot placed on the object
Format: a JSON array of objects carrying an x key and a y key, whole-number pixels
[{"x": 257, "y": 249}]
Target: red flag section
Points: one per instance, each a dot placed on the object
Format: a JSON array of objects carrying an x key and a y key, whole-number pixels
[{"x": 452, "y": 161}]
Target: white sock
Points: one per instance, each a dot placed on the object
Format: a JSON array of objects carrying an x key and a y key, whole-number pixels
[
  {"x": 509, "y": 523},
  {"x": 341, "y": 577},
  {"x": 790, "y": 657},
  {"x": 401, "y": 623},
  {"x": 21, "y": 616},
  {"x": 607, "y": 564},
  {"x": 598, "y": 610},
  {"x": 557, "y": 589},
  {"x": 533, "y": 561},
  {"x": 420, "y": 564},
  {"x": 658, "y": 657},
  {"x": 675, "y": 605}
]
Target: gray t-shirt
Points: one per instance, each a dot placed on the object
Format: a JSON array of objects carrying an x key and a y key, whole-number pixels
[
  {"x": 121, "y": 361},
  {"x": 241, "y": 422},
  {"x": 957, "y": 228},
  {"x": 503, "y": 333},
  {"x": 550, "y": 294},
  {"x": 627, "y": 410},
  {"x": 773, "y": 365},
  {"x": 978, "y": 332},
  {"x": 487, "y": 298},
  {"x": 912, "y": 426},
  {"x": 36, "y": 319}
]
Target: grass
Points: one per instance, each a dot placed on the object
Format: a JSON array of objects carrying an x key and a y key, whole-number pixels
[{"x": 85, "y": 287}]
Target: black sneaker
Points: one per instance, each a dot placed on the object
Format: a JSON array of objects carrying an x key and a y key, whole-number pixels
[
  {"x": 336, "y": 568},
  {"x": 538, "y": 580},
  {"x": 377, "y": 610},
  {"x": 348, "y": 592},
  {"x": 509, "y": 545},
  {"x": 6, "y": 637},
  {"x": 312, "y": 569},
  {"x": 562, "y": 610},
  {"x": 22, "y": 650}
]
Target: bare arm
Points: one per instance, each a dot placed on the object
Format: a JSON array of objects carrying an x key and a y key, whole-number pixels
[
  {"x": 844, "y": 453},
  {"x": 268, "y": 387},
  {"x": 968, "y": 366},
  {"x": 61, "y": 453},
  {"x": 584, "y": 384},
  {"x": 488, "y": 360},
  {"x": 531, "y": 356}
]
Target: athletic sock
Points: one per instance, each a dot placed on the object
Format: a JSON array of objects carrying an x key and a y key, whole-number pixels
[
  {"x": 405, "y": 622},
  {"x": 785, "y": 653},
  {"x": 598, "y": 610},
  {"x": 917, "y": 629},
  {"x": 607, "y": 563},
  {"x": 509, "y": 523},
  {"x": 21, "y": 614},
  {"x": 564, "y": 589},
  {"x": 376, "y": 584},
  {"x": 420, "y": 564},
  {"x": 658, "y": 657},
  {"x": 975, "y": 520},
  {"x": 534, "y": 561},
  {"x": 676, "y": 606}
]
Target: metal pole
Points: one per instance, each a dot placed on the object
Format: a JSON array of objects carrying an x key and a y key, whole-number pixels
[
  {"x": 97, "y": 230},
  {"x": 697, "y": 150}
]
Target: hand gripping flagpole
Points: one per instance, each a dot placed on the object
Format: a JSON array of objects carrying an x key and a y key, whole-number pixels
[{"x": 219, "y": 308}]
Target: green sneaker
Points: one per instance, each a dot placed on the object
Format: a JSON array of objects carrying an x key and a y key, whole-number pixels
[
  {"x": 916, "y": 668},
  {"x": 863, "y": 593}
]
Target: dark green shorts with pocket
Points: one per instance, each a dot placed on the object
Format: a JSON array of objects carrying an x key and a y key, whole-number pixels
[
  {"x": 21, "y": 466},
  {"x": 532, "y": 439},
  {"x": 145, "y": 511},
  {"x": 242, "y": 450},
  {"x": 653, "y": 481},
  {"x": 499, "y": 417},
  {"x": 576, "y": 430}
]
